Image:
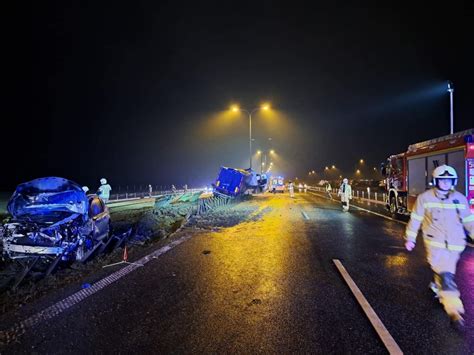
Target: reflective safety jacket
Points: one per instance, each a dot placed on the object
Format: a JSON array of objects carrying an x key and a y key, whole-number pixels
[
  {"x": 345, "y": 191},
  {"x": 442, "y": 220},
  {"x": 104, "y": 191}
]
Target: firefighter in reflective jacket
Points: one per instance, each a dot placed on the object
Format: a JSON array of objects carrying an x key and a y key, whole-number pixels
[
  {"x": 443, "y": 214},
  {"x": 345, "y": 191}
]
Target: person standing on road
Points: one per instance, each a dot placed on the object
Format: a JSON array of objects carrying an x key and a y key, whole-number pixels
[
  {"x": 150, "y": 190},
  {"x": 291, "y": 189},
  {"x": 104, "y": 190},
  {"x": 443, "y": 215},
  {"x": 328, "y": 189},
  {"x": 173, "y": 188},
  {"x": 345, "y": 192}
]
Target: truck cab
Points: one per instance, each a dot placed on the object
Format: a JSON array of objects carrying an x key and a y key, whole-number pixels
[
  {"x": 409, "y": 174},
  {"x": 396, "y": 183}
]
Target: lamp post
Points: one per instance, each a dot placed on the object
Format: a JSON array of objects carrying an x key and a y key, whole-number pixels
[
  {"x": 263, "y": 107},
  {"x": 451, "y": 91},
  {"x": 263, "y": 161}
]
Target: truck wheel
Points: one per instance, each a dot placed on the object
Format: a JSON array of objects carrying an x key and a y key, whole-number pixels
[{"x": 393, "y": 206}]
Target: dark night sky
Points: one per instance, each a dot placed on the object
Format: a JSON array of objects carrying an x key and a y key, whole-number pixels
[{"x": 132, "y": 92}]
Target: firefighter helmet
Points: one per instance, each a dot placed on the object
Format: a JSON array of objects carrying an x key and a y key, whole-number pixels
[
  {"x": 103, "y": 181},
  {"x": 445, "y": 172},
  {"x": 345, "y": 181}
]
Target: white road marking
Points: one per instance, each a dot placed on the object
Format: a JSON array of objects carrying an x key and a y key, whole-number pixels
[
  {"x": 379, "y": 214},
  {"x": 363, "y": 209},
  {"x": 383, "y": 333},
  {"x": 305, "y": 215},
  {"x": 18, "y": 329}
]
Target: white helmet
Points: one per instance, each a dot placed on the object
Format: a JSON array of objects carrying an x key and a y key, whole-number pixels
[
  {"x": 103, "y": 181},
  {"x": 345, "y": 181},
  {"x": 85, "y": 189},
  {"x": 445, "y": 172}
]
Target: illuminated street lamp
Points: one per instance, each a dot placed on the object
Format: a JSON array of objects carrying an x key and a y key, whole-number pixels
[
  {"x": 334, "y": 167},
  {"x": 236, "y": 108},
  {"x": 357, "y": 171},
  {"x": 361, "y": 161},
  {"x": 263, "y": 159},
  {"x": 451, "y": 91}
]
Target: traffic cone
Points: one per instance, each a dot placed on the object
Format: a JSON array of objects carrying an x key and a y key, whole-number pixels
[
  {"x": 124, "y": 259},
  {"x": 125, "y": 254}
]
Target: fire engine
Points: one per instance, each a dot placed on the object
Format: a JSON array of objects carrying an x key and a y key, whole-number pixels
[{"x": 409, "y": 173}]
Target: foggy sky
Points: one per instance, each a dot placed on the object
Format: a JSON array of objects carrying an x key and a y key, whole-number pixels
[{"x": 127, "y": 91}]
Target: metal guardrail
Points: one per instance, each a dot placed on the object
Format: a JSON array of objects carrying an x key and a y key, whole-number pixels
[
  {"x": 368, "y": 196},
  {"x": 139, "y": 195},
  {"x": 207, "y": 204}
]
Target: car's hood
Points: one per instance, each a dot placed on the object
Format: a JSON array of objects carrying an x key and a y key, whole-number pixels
[{"x": 47, "y": 199}]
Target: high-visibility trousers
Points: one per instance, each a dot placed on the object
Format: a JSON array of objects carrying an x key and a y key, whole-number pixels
[
  {"x": 441, "y": 259},
  {"x": 444, "y": 261}
]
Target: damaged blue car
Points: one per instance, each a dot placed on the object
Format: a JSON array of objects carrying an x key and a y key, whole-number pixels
[{"x": 52, "y": 219}]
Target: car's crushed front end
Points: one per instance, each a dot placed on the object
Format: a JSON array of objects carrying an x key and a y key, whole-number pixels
[{"x": 49, "y": 217}]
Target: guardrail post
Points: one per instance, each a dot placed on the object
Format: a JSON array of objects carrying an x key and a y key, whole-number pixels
[
  {"x": 384, "y": 199},
  {"x": 362, "y": 194},
  {"x": 357, "y": 194},
  {"x": 375, "y": 196}
]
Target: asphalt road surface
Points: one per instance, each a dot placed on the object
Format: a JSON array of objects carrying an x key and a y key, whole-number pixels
[{"x": 267, "y": 284}]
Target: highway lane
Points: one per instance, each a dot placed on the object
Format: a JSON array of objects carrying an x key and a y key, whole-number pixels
[{"x": 267, "y": 284}]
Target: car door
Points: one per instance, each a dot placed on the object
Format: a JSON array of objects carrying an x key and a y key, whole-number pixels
[{"x": 100, "y": 217}]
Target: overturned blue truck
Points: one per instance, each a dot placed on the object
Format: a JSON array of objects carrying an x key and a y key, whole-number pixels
[{"x": 235, "y": 182}]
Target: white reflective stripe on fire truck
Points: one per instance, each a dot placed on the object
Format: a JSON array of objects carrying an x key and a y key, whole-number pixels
[
  {"x": 444, "y": 205},
  {"x": 434, "y": 244},
  {"x": 468, "y": 219},
  {"x": 417, "y": 217}
]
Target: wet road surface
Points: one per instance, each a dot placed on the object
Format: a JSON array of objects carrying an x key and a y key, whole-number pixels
[{"x": 269, "y": 285}]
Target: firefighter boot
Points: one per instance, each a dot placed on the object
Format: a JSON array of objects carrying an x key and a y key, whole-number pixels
[{"x": 449, "y": 298}]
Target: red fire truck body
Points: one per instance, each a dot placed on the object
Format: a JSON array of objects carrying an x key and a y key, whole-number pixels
[{"x": 408, "y": 174}]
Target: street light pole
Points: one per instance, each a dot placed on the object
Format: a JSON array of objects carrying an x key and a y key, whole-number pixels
[
  {"x": 236, "y": 108},
  {"x": 250, "y": 137},
  {"x": 451, "y": 91}
]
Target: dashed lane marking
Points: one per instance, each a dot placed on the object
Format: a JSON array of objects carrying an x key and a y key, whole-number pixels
[
  {"x": 383, "y": 333},
  {"x": 305, "y": 215},
  {"x": 7, "y": 336}
]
